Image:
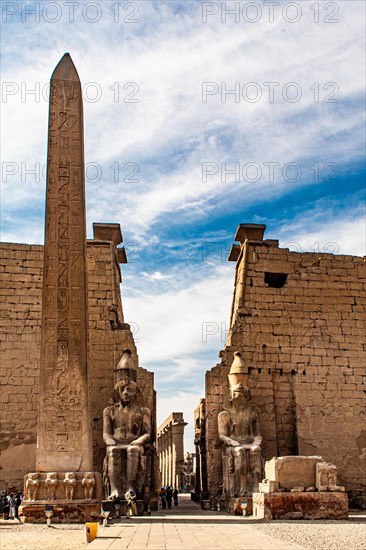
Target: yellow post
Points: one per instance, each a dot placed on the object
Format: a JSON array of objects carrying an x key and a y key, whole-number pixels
[{"x": 91, "y": 531}]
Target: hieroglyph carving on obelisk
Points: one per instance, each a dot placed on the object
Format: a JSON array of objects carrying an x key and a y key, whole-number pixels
[{"x": 64, "y": 435}]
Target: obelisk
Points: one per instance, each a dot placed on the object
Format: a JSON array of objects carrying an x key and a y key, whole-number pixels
[{"x": 64, "y": 434}]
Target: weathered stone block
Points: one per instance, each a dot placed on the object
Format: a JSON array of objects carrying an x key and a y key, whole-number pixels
[
  {"x": 268, "y": 486},
  {"x": 292, "y": 471},
  {"x": 262, "y": 505},
  {"x": 309, "y": 505}
]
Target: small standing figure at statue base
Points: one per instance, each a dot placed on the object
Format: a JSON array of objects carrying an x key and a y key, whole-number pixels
[
  {"x": 69, "y": 484},
  {"x": 31, "y": 486},
  {"x": 51, "y": 483},
  {"x": 88, "y": 483}
]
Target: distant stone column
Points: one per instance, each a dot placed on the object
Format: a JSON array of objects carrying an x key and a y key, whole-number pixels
[
  {"x": 166, "y": 458},
  {"x": 159, "y": 439},
  {"x": 169, "y": 473},
  {"x": 174, "y": 460},
  {"x": 160, "y": 454},
  {"x": 178, "y": 449}
]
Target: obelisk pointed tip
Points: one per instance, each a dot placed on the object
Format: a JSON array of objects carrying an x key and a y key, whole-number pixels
[{"x": 65, "y": 70}]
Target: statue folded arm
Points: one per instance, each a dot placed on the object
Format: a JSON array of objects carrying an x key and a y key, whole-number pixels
[
  {"x": 146, "y": 428},
  {"x": 256, "y": 433},
  {"x": 107, "y": 428},
  {"x": 223, "y": 427}
]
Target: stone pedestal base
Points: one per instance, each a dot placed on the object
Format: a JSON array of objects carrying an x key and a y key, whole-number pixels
[
  {"x": 70, "y": 512},
  {"x": 74, "y": 496},
  {"x": 300, "y": 505},
  {"x": 234, "y": 505}
]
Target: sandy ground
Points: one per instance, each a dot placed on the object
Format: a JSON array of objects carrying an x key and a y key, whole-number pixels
[
  {"x": 16, "y": 536},
  {"x": 320, "y": 534}
]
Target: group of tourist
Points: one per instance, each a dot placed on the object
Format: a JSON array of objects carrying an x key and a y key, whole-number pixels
[
  {"x": 10, "y": 503},
  {"x": 167, "y": 495}
]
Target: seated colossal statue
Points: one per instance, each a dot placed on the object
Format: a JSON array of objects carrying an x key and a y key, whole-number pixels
[
  {"x": 126, "y": 432},
  {"x": 239, "y": 433}
]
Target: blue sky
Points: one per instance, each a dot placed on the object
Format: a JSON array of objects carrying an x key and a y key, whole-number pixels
[{"x": 179, "y": 161}]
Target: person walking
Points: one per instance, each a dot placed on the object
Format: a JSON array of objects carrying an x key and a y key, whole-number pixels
[
  {"x": 6, "y": 507},
  {"x": 163, "y": 498},
  {"x": 175, "y": 496},
  {"x": 11, "y": 506},
  {"x": 169, "y": 496},
  {"x": 18, "y": 502}
]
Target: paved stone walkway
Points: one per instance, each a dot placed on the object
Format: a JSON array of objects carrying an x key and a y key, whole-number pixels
[{"x": 186, "y": 527}]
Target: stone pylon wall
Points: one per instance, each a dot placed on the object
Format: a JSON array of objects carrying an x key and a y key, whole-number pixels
[
  {"x": 20, "y": 320},
  {"x": 304, "y": 347},
  {"x": 21, "y": 279}
]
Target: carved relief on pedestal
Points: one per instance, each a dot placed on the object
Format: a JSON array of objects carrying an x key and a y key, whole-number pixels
[
  {"x": 69, "y": 484},
  {"x": 88, "y": 483},
  {"x": 326, "y": 477},
  {"x": 61, "y": 486},
  {"x": 51, "y": 483},
  {"x": 31, "y": 486}
]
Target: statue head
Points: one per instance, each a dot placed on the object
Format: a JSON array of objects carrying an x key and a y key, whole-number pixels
[
  {"x": 239, "y": 394},
  {"x": 125, "y": 391}
]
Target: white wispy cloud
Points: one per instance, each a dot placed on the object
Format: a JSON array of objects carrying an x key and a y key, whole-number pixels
[
  {"x": 327, "y": 235},
  {"x": 156, "y": 276}
]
